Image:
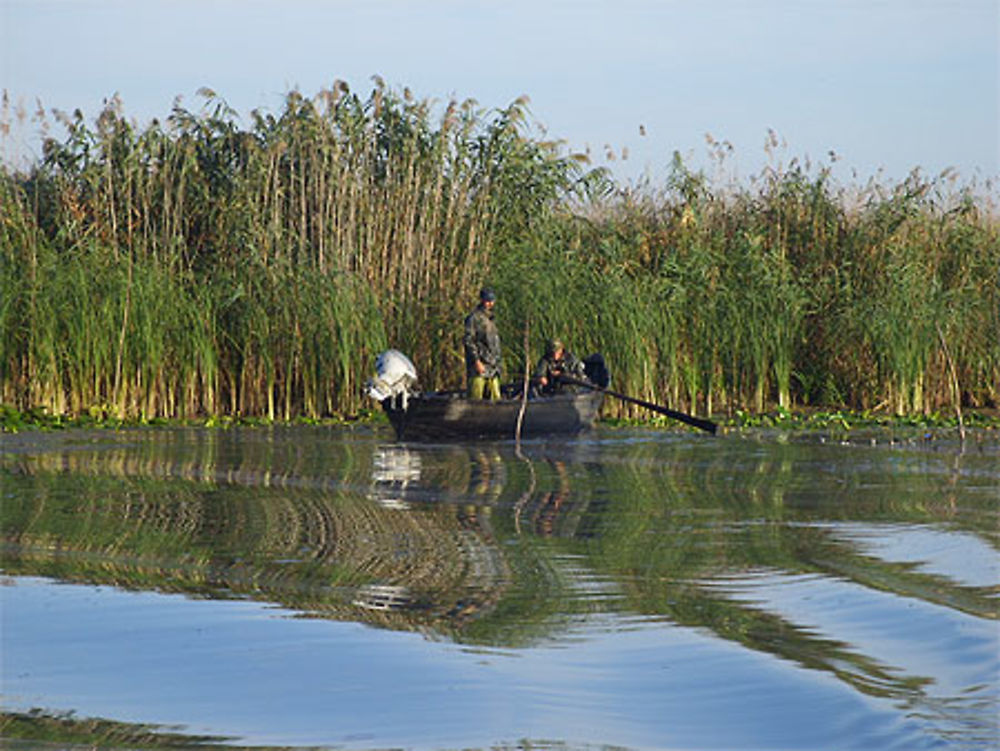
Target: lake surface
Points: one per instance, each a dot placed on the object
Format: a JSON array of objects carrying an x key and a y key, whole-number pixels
[{"x": 629, "y": 589}]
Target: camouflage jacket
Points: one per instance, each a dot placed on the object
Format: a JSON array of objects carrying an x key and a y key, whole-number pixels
[
  {"x": 482, "y": 342},
  {"x": 550, "y": 368}
]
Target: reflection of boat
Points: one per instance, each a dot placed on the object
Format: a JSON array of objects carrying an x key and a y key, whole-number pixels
[{"x": 444, "y": 415}]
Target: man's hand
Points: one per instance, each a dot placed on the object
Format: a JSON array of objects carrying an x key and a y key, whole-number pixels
[{"x": 480, "y": 368}]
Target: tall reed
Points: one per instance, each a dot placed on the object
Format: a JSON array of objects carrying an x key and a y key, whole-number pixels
[
  {"x": 203, "y": 265},
  {"x": 199, "y": 267}
]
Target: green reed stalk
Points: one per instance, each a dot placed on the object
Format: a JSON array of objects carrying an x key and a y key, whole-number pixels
[{"x": 206, "y": 266}]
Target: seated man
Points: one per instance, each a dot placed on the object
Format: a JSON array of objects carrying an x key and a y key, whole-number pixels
[{"x": 556, "y": 362}]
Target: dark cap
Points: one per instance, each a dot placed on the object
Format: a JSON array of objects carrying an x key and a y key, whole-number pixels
[
  {"x": 552, "y": 345},
  {"x": 486, "y": 294}
]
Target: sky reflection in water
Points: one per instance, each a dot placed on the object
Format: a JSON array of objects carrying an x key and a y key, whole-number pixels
[{"x": 628, "y": 590}]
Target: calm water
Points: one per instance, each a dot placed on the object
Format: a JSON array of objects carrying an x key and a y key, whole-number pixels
[{"x": 631, "y": 589}]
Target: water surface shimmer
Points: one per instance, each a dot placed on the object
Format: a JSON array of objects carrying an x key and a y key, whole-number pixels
[{"x": 630, "y": 589}]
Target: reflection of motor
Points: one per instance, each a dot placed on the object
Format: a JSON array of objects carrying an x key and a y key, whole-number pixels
[
  {"x": 395, "y": 376},
  {"x": 393, "y": 469},
  {"x": 383, "y": 597}
]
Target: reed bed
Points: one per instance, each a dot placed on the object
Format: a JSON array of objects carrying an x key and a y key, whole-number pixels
[
  {"x": 788, "y": 293},
  {"x": 203, "y": 266}
]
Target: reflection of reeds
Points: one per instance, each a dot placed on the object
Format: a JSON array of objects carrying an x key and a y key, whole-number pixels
[
  {"x": 671, "y": 529},
  {"x": 250, "y": 535},
  {"x": 39, "y": 727},
  {"x": 693, "y": 537}
]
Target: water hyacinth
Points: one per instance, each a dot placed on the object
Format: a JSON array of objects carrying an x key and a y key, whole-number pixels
[{"x": 203, "y": 266}]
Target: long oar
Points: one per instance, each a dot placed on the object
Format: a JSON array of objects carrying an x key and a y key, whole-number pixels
[{"x": 696, "y": 422}]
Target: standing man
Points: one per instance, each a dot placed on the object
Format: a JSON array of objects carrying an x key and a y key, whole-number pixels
[{"x": 482, "y": 349}]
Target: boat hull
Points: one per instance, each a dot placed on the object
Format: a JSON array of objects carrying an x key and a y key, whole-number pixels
[{"x": 442, "y": 416}]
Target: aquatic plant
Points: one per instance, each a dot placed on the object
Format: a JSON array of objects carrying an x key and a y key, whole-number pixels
[
  {"x": 206, "y": 266},
  {"x": 201, "y": 267}
]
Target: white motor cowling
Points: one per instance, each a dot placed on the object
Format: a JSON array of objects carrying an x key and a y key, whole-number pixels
[{"x": 395, "y": 376}]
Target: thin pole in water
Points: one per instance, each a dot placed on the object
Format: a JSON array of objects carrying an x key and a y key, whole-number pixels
[{"x": 524, "y": 390}]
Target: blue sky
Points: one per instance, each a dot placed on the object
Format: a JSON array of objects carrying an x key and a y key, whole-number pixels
[{"x": 888, "y": 85}]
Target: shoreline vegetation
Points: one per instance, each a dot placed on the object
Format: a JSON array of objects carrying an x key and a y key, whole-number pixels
[
  {"x": 933, "y": 426},
  {"x": 217, "y": 269}
]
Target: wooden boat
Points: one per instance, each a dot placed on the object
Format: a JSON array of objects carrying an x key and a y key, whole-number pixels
[{"x": 450, "y": 415}]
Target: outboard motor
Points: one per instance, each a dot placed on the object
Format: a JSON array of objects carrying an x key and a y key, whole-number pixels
[{"x": 395, "y": 376}]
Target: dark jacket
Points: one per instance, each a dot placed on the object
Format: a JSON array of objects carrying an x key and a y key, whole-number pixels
[{"x": 482, "y": 342}]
